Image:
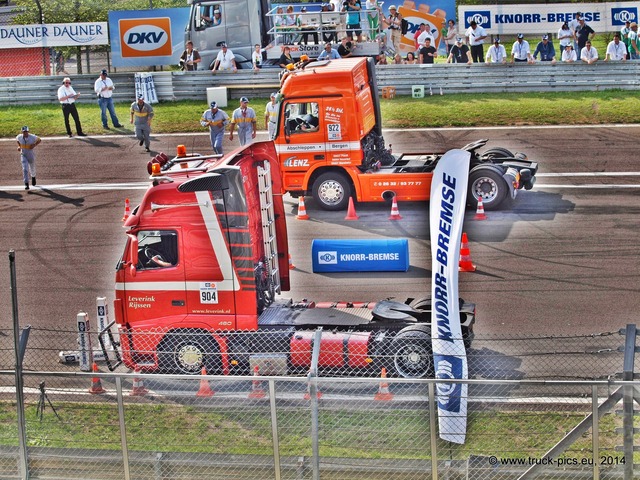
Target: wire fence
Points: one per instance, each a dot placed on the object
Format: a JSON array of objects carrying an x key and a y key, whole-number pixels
[{"x": 530, "y": 408}]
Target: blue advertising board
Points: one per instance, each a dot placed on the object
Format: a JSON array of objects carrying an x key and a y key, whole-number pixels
[{"x": 352, "y": 255}]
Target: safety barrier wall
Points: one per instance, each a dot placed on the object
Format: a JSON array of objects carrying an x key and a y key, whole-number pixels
[
  {"x": 554, "y": 405},
  {"x": 435, "y": 79}
]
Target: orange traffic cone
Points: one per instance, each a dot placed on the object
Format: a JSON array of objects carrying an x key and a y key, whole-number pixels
[
  {"x": 480, "y": 211},
  {"x": 205, "y": 389},
  {"x": 383, "y": 394},
  {"x": 302, "y": 210},
  {"x": 395, "y": 214},
  {"x": 127, "y": 210},
  {"x": 256, "y": 386},
  {"x": 465, "y": 264},
  {"x": 291, "y": 265},
  {"x": 351, "y": 212},
  {"x": 138, "y": 389},
  {"x": 307, "y": 395},
  {"x": 96, "y": 384}
]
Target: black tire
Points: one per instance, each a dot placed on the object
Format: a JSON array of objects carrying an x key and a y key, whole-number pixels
[
  {"x": 487, "y": 183},
  {"x": 187, "y": 352},
  {"x": 498, "y": 152},
  {"x": 332, "y": 191},
  {"x": 410, "y": 353}
]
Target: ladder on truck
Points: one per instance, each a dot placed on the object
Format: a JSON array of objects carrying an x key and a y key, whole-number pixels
[{"x": 265, "y": 189}]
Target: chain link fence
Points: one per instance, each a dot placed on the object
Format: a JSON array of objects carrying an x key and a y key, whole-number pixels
[{"x": 530, "y": 407}]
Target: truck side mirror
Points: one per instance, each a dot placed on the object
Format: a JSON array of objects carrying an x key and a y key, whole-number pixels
[{"x": 133, "y": 254}]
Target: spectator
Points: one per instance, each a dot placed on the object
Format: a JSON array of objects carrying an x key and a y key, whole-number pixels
[
  {"x": 584, "y": 33},
  {"x": 328, "y": 33},
  {"x": 423, "y": 36},
  {"x": 307, "y": 29},
  {"x": 569, "y": 54},
  {"x": 427, "y": 52},
  {"x": 373, "y": 17},
  {"x": 103, "y": 87},
  {"x": 496, "y": 53},
  {"x": 60, "y": 61},
  {"x": 634, "y": 48},
  {"x": 520, "y": 51},
  {"x": 216, "y": 120},
  {"x": 475, "y": 38},
  {"x": 394, "y": 20},
  {"x": 418, "y": 45},
  {"x": 225, "y": 61},
  {"x": 344, "y": 49},
  {"x": 397, "y": 59},
  {"x": 271, "y": 116},
  {"x": 565, "y": 36},
  {"x": 573, "y": 26},
  {"x": 245, "y": 117},
  {"x": 256, "y": 56},
  {"x": 279, "y": 23},
  {"x": 589, "y": 54},
  {"x": 353, "y": 7},
  {"x": 67, "y": 97},
  {"x": 381, "y": 59},
  {"x": 142, "y": 112},
  {"x": 459, "y": 53},
  {"x": 285, "y": 58},
  {"x": 410, "y": 59},
  {"x": 329, "y": 53},
  {"x": 452, "y": 33},
  {"x": 624, "y": 36},
  {"x": 616, "y": 50},
  {"x": 190, "y": 58},
  {"x": 26, "y": 144},
  {"x": 546, "y": 50},
  {"x": 290, "y": 24}
]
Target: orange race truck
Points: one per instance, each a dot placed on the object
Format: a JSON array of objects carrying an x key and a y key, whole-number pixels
[
  {"x": 205, "y": 260},
  {"x": 330, "y": 145}
]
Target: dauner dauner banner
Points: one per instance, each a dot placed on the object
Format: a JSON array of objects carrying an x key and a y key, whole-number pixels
[
  {"x": 53, "y": 35},
  {"x": 447, "y": 205}
]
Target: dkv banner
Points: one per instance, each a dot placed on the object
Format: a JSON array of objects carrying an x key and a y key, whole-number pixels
[{"x": 446, "y": 211}]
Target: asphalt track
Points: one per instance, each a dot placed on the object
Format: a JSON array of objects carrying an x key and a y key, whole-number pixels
[{"x": 564, "y": 259}]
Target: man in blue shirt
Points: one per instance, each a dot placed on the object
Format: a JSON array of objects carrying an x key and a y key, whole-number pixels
[
  {"x": 329, "y": 53},
  {"x": 546, "y": 50}
]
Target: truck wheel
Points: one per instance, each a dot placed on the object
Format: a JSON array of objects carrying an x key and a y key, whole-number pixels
[
  {"x": 498, "y": 152},
  {"x": 487, "y": 183},
  {"x": 411, "y": 353},
  {"x": 332, "y": 191},
  {"x": 188, "y": 352}
]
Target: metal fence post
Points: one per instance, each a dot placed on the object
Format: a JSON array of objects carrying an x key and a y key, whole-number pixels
[
  {"x": 23, "y": 459},
  {"x": 274, "y": 429},
  {"x": 313, "y": 392},
  {"x": 432, "y": 431},
  {"x": 627, "y": 399},
  {"x": 123, "y": 430},
  {"x": 595, "y": 433}
]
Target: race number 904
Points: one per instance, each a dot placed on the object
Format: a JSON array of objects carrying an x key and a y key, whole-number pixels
[{"x": 208, "y": 293}]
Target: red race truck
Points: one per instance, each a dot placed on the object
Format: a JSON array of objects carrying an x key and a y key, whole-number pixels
[{"x": 206, "y": 259}]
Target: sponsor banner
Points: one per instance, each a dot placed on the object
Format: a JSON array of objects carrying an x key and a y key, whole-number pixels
[
  {"x": 147, "y": 37},
  {"x": 54, "y": 35},
  {"x": 352, "y": 255},
  {"x": 446, "y": 213},
  {"x": 547, "y": 18}
]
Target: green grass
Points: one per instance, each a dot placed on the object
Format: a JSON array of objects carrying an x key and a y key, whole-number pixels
[
  {"x": 389, "y": 433},
  {"x": 459, "y": 110}
]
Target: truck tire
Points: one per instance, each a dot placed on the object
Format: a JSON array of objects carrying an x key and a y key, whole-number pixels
[
  {"x": 487, "y": 182},
  {"x": 498, "y": 152},
  {"x": 331, "y": 191},
  {"x": 187, "y": 352},
  {"x": 411, "y": 354}
]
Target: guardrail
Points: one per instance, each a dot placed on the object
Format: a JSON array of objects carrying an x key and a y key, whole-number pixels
[{"x": 435, "y": 79}]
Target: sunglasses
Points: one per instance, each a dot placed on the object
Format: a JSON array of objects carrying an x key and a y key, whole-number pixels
[{"x": 67, "y": 83}]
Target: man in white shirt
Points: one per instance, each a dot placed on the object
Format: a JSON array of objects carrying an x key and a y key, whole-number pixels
[
  {"x": 569, "y": 55},
  {"x": 225, "y": 61},
  {"x": 520, "y": 51},
  {"x": 497, "y": 53},
  {"x": 67, "y": 97},
  {"x": 589, "y": 54},
  {"x": 475, "y": 39},
  {"x": 616, "y": 50},
  {"x": 104, "y": 89}
]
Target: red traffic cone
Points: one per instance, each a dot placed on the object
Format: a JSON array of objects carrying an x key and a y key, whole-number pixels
[
  {"x": 256, "y": 386},
  {"x": 205, "y": 389},
  {"x": 465, "y": 264},
  {"x": 291, "y": 265},
  {"x": 480, "y": 211},
  {"x": 307, "y": 395},
  {"x": 383, "y": 394},
  {"x": 96, "y": 384},
  {"x": 351, "y": 212},
  {"x": 138, "y": 389},
  {"x": 395, "y": 214},
  {"x": 127, "y": 210},
  {"x": 302, "y": 210}
]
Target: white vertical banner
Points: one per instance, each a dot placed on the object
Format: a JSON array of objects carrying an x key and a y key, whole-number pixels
[
  {"x": 446, "y": 212},
  {"x": 146, "y": 87},
  {"x": 84, "y": 342}
]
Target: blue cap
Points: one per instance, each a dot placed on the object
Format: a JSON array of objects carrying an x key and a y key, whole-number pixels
[
  {"x": 140, "y": 96},
  {"x": 103, "y": 72},
  {"x": 213, "y": 105},
  {"x": 244, "y": 99},
  {"x": 25, "y": 129}
]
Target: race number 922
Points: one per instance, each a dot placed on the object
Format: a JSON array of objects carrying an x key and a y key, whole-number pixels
[{"x": 208, "y": 293}]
